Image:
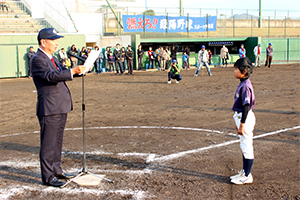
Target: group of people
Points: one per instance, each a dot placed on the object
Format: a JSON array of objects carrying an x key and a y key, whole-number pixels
[
  {"x": 162, "y": 58},
  {"x": 115, "y": 60}
]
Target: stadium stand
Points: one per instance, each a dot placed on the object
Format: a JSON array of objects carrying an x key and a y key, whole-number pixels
[{"x": 18, "y": 19}]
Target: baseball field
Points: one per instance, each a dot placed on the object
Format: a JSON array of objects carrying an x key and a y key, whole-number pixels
[{"x": 157, "y": 140}]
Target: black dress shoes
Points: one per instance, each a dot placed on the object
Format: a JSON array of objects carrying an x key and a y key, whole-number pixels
[
  {"x": 54, "y": 182},
  {"x": 65, "y": 176}
]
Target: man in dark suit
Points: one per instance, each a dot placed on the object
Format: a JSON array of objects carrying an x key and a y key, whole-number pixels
[{"x": 53, "y": 104}]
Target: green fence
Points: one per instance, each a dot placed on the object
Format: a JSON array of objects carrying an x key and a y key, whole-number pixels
[
  {"x": 285, "y": 49},
  {"x": 14, "y": 48}
]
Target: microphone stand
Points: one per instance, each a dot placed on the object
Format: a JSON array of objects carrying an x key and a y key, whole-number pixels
[{"x": 84, "y": 170}]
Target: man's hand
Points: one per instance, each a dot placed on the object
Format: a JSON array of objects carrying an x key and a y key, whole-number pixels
[
  {"x": 241, "y": 129},
  {"x": 78, "y": 70}
]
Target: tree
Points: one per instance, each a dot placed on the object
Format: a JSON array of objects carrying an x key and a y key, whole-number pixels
[{"x": 149, "y": 12}]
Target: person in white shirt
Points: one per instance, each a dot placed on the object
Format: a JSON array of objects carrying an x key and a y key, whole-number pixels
[
  {"x": 257, "y": 53},
  {"x": 202, "y": 58},
  {"x": 224, "y": 52},
  {"x": 63, "y": 57}
]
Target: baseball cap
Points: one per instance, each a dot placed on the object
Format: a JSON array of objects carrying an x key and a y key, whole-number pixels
[
  {"x": 203, "y": 47},
  {"x": 242, "y": 44},
  {"x": 258, "y": 44},
  {"x": 174, "y": 61},
  {"x": 270, "y": 44},
  {"x": 129, "y": 45},
  {"x": 30, "y": 47},
  {"x": 48, "y": 33}
]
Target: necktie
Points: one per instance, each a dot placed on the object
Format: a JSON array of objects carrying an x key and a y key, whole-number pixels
[{"x": 54, "y": 63}]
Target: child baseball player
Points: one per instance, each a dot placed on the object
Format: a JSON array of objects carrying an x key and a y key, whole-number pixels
[
  {"x": 173, "y": 72},
  {"x": 184, "y": 60},
  {"x": 244, "y": 101}
]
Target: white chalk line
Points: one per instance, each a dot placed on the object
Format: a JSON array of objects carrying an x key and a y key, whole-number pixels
[
  {"x": 6, "y": 193},
  {"x": 9, "y": 192},
  {"x": 180, "y": 154},
  {"x": 132, "y": 127}
]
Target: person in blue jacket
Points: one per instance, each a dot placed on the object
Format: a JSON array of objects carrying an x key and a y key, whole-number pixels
[{"x": 242, "y": 51}]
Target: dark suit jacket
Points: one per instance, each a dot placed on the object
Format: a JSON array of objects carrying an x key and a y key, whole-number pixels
[{"x": 53, "y": 94}]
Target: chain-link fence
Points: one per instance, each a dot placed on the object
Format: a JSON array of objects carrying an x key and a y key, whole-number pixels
[{"x": 230, "y": 23}]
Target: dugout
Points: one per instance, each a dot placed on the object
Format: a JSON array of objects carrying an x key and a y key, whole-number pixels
[
  {"x": 286, "y": 50},
  {"x": 214, "y": 44}
]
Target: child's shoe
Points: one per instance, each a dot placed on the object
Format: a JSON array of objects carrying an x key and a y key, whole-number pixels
[
  {"x": 240, "y": 173},
  {"x": 243, "y": 179}
]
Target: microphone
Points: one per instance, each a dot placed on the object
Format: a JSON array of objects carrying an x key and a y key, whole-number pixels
[{"x": 78, "y": 57}]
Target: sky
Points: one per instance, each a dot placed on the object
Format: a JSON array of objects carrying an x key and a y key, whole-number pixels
[
  {"x": 224, "y": 6},
  {"x": 228, "y": 4}
]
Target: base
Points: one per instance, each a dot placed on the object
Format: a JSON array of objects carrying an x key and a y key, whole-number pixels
[{"x": 87, "y": 179}]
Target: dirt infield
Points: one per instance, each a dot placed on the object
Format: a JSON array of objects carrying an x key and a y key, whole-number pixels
[{"x": 158, "y": 141}]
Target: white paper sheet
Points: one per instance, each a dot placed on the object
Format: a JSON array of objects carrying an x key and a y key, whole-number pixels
[{"x": 93, "y": 55}]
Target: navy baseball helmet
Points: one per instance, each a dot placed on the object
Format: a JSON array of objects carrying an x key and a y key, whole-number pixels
[
  {"x": 270, "y": 44},
  {"x": 203, "y": 47},
  {"x": 48, "y": 33}
]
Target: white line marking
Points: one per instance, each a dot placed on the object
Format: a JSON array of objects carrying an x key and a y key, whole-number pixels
[
  {"x": 180, "y": 154},
  {"x": 133, "y": 127},
  {"x": 14, "y": 134},
  {"x": 9, "y": 192}
]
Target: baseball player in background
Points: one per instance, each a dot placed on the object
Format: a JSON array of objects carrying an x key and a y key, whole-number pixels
[
  {"x": 203, "y": 58},
  {"x": 244, "y": 101}
]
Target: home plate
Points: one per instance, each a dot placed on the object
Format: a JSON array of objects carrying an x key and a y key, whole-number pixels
[{"x": 89, "y": 179}]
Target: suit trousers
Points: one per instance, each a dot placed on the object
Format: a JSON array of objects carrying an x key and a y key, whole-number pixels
[
  {"x": 51, "y": 133},
  {"x": 118, "y": 65},
  {"x": 130, "y": 66}
]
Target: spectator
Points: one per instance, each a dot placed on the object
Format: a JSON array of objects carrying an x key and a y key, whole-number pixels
[
  {"x": 184, "y": 60},
  {"x": 140, "y": 53},
  {"x": 242, "y": 51},
  {"x": 202, "y": 58},
  {"x": 129, "y": 56},
  {"x": 118, "y": 59},
  {"x": 257, "y": 53},
  {"x": 158, "y": 57},
  {"x": 30, "y": 54},
  {"x": 188, "y": 51},
  {"x": 106, "y": 57},
  {"x": 123, "y": 58},
  {"x": 83, "y": 54},
  {"x": 151, "y": 58},
  {"x": 163, "y": 59},
  {"x": 111, "y": 61},
  {"x": 98, "y": 62},
  {"x": 269, "y": 55},
  {"x": 174, "y": 53},
  {"x": 74, "y": 51},
  {"x": 64, "y": 60},
  {"x": 168, "y": 57},
  {"x": 173, "y": 72},
  {"x": 223, "y": 55},
  {"x": 209, "y": 56}
]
